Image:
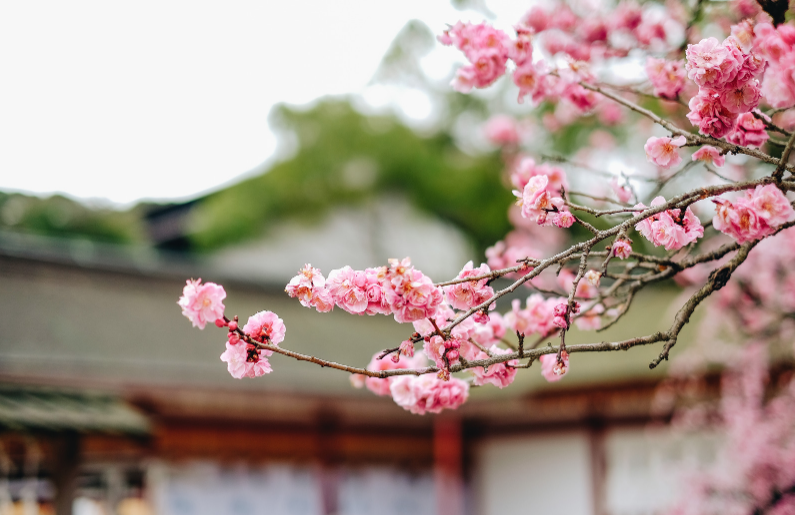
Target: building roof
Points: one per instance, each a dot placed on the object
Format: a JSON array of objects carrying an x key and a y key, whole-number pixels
[{"x": 46, "y": 409}]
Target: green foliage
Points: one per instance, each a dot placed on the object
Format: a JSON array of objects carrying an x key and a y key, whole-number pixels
[
  {"x": 345, "y": 157},
  {"x": 59, "y": 216}
]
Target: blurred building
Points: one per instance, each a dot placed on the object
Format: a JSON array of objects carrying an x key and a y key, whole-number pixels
[{"x": 109, "y": 396}]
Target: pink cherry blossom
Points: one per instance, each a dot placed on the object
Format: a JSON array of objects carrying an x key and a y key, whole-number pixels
[
  {"x": 551, "y": 369},
  {"x": 709, "y": 114},
  {"x": 310, "y": 288},
  {"x": 671, "y": 228},
  {"x": 381, "y": 386},
  {"x": 622, "y": 249},
  {"x": 624, "y": 193},
  {"x": 593, "y": 277},
  {"x": 409, "y": 293},
  {"x": 528, "y": 79},
  {"x": 374, "y": 291},
  {"x": 502, "y": 130},
  {"x": 778, "y": 86},
  {"x": 590, "y": 320},
  {"x": 526, "y": 168},
  {"x": 585, "y": 289},
  {"x": 243, "y": 360},
  {"x": 535, "y": 317},
  {"x": 348, "y": 288},
  {"x": 711, "y": 64},
  {"x": 428, "y": 394},
  {"x": 709, "y": 154},
  {"x": 664, "y": 152},
  {"x": 771, "y": 205},
  {"x": 520, "y": 50},
  {"x": 749, "y": 131},
  {"x": 266, "y": 327},
  {"x": 755, "y": 215},
  {"x": 741, "y": 97},
  {"x": 202, "y": 303},
  {"x": 487, "y": 50},
  {"x": 469, "y": 294},
  {"x": 489, "y": 333},
  {"x": 667, "y": 77},
  {"x": 498, "y": 374}
]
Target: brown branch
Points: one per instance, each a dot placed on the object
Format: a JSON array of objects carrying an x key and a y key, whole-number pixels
[{"x": 691, "y": 138}]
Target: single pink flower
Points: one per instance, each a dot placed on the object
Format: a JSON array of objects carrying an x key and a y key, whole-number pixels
[
  {"x": 771, "y": 205},
  {"x": 520, "y": 50},
  {"x": 528, "y": 79},
  {"x": 265, "y": 327},
  {"x": 709, "y": 154},
  {"x": 551, "y": 369},
  {"x": 348, "y": 288},
  {"x": 709, "y": 114},
  {"x": 711, "y": 64},
  {"x": 749, "y": 131},
  {"x": 244, "y": 360},
  {"x": 623, "y": 192},
  {"x": 667, "y": 77},
  {"x": 741, "y": 97},
  {"x": 664, "y": 152},
  {"x": 202, "y": 303},
  {"x": 622, "y": 249}
]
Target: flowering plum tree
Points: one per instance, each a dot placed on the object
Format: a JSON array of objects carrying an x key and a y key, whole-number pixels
[{"x": 729, "y": 97}]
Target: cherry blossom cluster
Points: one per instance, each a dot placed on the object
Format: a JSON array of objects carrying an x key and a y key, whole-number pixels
[
  {"x": 754, "y": 215},
  {"x": 671, "y": 229},
  {"x": 560, "y": 32},
  {"x": 458, "y": 339},
  {"x": 540, "y": 203},
  {"x": 201, "y": 303},
  {"x": 727, "y": 76},
  {"x": 399, "y": 290}
]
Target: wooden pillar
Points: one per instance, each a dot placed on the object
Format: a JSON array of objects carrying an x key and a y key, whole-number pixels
[
  {"x": 448, "y": 471},
  {"x": 66, "y": 464}
]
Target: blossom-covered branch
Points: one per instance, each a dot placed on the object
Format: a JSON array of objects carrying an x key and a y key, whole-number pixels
[{"x": 552, "y": 58}]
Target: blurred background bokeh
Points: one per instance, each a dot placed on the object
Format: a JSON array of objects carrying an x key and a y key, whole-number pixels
[{"x": 153, "y": 142}]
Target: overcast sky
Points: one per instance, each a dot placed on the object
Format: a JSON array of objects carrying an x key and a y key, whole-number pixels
[{"x": 166, "y": 99}]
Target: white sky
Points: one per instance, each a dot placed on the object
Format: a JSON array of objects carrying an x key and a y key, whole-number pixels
[{"x": 164, "y": 99}]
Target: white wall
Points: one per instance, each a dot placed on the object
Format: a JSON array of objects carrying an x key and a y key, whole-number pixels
[{"x": 544, "y": 474}]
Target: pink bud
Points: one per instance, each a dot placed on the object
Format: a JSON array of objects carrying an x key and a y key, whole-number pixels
[
  {"x": 233, "y": 325},
  {"x": 448, "y": 344},
  {"x": 220, "y": 322},
  {"x": 560, "y": 322},
  {"x": 452, "y": 355},
  {"x": 560, "y": 310},
  {"x": 395, "y": 358},
  {"x": 233, "y": 338}
]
